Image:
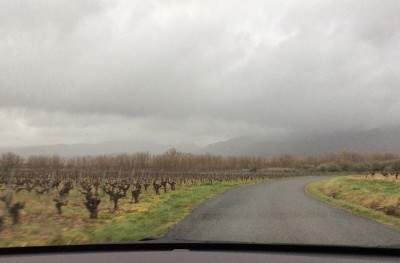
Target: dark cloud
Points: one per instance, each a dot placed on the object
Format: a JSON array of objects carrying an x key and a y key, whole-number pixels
[{"x": 195, "y": 71}]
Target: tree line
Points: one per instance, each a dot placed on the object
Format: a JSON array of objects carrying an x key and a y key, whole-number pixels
[{"x": 173, "y": 160}]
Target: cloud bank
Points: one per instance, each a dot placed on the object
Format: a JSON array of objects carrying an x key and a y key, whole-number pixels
[{"x": 195, "y": 71}]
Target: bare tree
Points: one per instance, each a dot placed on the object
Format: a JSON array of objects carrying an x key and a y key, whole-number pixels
[{"x": 10, "y": 160}]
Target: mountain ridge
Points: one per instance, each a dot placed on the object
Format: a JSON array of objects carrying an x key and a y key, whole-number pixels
[{"x": 373, "y": 140}]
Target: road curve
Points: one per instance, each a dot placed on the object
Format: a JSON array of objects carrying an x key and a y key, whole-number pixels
[{"x": 280, "y": 211}]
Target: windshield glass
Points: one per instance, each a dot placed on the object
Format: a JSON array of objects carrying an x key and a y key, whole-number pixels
[{"x": 262, "y": 121}]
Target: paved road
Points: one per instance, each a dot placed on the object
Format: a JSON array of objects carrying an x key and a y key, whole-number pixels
[{"x": 280, "y": 212}]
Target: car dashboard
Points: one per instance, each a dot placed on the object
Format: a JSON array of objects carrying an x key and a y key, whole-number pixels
[{"x": 197, "y": 252}]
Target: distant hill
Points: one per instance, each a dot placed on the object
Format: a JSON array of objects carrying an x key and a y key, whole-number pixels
[
  {"x": 110, "y": 147},
  {"x": 375, "y": 140}
]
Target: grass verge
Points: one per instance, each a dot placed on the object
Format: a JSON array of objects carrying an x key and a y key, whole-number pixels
[
  {"x": 158, "y": 219},
  {"x": 373, "y": 199}
]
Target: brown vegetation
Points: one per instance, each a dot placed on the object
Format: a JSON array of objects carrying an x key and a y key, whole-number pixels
[{"x": 172, "y": 160}]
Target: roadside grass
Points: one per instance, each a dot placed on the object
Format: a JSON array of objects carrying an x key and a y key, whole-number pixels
[
  {"x": 152, "y": 217},
  {"x": 377, "y": 199}
]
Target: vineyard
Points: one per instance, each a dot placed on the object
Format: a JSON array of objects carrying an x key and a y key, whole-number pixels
[{"x": 55, "y": 206}]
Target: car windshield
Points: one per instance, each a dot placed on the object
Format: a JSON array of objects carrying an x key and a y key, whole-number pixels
[{"x": 271, "y": 122}]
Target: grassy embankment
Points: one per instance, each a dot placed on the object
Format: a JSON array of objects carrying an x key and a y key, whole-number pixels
[
  {"x": 376, "y": 198},
  {"x": 41, "y": 225}
]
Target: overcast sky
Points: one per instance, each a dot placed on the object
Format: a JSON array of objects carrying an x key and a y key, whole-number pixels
[{"x": 195, "y": 71}]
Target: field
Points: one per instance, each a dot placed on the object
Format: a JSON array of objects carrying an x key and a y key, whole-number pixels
[
  {"x": 376, "y": 197},
  {"x": 163, "y": 200}
]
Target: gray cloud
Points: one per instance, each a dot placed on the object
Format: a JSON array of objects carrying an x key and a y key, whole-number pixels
[{"x": 195, "y": 71}]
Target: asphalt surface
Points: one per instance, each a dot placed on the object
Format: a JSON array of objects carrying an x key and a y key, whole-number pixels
[{"x": 280, "y": 211}]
